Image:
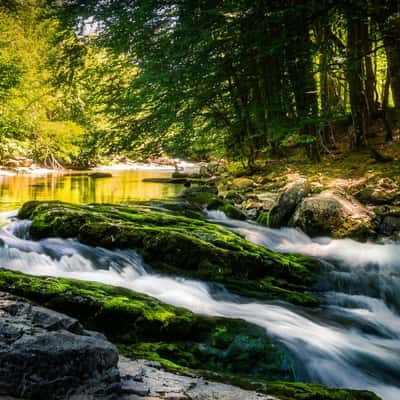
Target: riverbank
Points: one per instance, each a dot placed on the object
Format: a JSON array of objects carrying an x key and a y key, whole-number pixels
[
  {"x": 25, "y": 166},
  {"x": 355, "y": 196}
]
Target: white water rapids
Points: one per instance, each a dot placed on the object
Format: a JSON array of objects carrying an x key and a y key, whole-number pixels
[{"x": 352, "y": 341}]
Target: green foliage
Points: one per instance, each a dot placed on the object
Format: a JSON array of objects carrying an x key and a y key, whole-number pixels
[{"x": 54, "y": 87}]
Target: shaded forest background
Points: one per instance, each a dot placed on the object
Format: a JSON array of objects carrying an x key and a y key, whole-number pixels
[{"x": 84, "y": 81}]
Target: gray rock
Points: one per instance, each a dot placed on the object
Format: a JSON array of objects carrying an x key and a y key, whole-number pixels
[
  {"x": 161, "y": 384},
  {"x": 390, "y": 225},
  {"x": 334, "y": 214},
  {"x": 45, "y": 354},
  {"x": 288, "y": 200}
]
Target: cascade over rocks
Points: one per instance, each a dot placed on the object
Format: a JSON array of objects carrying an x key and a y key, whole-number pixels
[
  {"x": 35, "y": 343},
  {"x": 178, "y": 245}
]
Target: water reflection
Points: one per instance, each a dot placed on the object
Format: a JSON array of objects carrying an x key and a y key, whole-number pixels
[{"x": 81, "y": 188}]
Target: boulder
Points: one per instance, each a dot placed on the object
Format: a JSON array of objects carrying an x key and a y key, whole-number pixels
[
  {"x": 390, "y": 225},
  {"x": 231, "y": 350},
  {"x": 232, "y": 211},
  {"x": 288, "y": 200},
  {"x": 331, "y": 213},
  {"x": 45, "y": 354},
  {"x": 143, "y": 327}
]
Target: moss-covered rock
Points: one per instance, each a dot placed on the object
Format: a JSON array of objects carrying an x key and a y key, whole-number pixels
[
  {"x": 232, "y": 211},
  {"x": 179, "y": 246},
  {"x": 143, "y": 327},
  {"x": 303, "y": 391},
  {"x": 207, "y": 198}
]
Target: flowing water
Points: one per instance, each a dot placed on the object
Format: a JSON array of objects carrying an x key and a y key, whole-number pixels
[{"x": 352, "y": 341}]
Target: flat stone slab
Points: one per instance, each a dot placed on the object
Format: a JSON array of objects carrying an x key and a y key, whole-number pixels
[{"x": 159, "y": 384}]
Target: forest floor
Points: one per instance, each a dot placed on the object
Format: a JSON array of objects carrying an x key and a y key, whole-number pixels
[{"x": 378, "y": 164}]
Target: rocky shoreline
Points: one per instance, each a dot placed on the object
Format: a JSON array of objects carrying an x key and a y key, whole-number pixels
[{"x": 367, "y": 208}]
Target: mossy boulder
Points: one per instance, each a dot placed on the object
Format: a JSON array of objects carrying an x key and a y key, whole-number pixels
[
  {"x": 207, "y": 198},
  {"x": 179, "y": 246},
  {"x": 143, "y": 327},
  {"x": 232, "y": 211},
  {"x": 305, "y": 391},
  {"x": 334, "y": 214}
]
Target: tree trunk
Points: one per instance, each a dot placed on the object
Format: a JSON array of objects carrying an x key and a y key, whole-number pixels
[
  {"x": 301, "y": 72},
  {"x": 392, "y": 47},
  {"x": 355, "y": 78},
  {"x": 370, "y": 81},
  {"x": 389, "y": 132}
]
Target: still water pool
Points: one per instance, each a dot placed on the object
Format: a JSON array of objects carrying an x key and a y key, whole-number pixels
[{"x": 82, "y": 188}]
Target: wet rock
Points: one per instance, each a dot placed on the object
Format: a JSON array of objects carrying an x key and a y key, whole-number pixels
[
  {"x": 390, "y": 225},
  {"x": 98, "y": 175},
  {"x": 45, "y": 354},
  {"x": 179, "y": 246},
  {"x": 232, "y": 212},
  {"x": 331, "y": 213},
  {"x": 288, "y": 200}
]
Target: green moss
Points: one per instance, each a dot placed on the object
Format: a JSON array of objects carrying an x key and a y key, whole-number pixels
[
  {"x": 178, "y": 245},
  {"x": 232, "y": 212},
  {"x": 302, "y": 391}
]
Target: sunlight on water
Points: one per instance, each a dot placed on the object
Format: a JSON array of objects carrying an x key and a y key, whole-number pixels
[{"x": 80, "y": 188}]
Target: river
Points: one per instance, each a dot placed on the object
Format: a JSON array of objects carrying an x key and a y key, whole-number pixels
[
  {"x": 352, "y": 341},
  {"x": 125, "y": 185}
]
